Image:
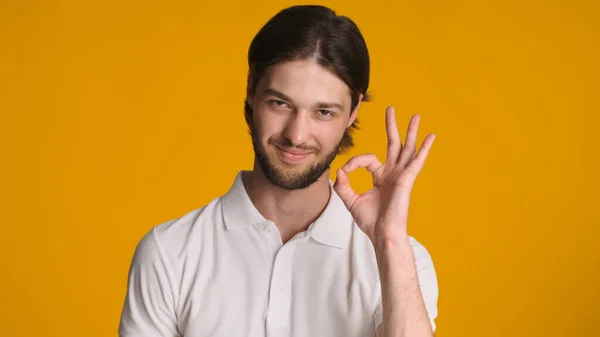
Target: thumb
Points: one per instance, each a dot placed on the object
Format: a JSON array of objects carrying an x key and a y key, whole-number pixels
[{"x": 344, "y": 190}]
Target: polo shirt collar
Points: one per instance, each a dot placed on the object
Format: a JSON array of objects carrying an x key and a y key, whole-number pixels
[
  {"x": 238, "y": 210},
  {"x": 333, "y": 227}
]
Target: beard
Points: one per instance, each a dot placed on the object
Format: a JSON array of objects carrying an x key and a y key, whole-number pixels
[{"x": 288, "y": 180}]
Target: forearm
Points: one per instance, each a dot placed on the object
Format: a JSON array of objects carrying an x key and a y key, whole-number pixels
[{"x": 404, "y": 312}]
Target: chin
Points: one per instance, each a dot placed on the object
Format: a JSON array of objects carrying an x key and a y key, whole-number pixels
[
  {"x": 290, "y": 171},
  {"x": 291, "y": 177},
  {"x": 291, "y": 174}
]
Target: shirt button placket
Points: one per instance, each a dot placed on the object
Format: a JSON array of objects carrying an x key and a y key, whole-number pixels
[{"x": 278, "y": 318}]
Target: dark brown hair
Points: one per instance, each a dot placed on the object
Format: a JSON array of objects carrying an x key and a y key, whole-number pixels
[{"x": 317, "y": 33}]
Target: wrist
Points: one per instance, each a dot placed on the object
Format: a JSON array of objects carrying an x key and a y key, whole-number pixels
[
  {"x": 396, "y": 246},
  {"x": 395, "y": 259},
  {"x": 390, "y": 241}
]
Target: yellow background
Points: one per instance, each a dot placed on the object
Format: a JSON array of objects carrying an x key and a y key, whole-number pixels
[{"x": 119, "y": 115}]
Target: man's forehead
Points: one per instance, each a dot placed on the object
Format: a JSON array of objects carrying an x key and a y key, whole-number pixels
[{"x": 305, "y": 80}]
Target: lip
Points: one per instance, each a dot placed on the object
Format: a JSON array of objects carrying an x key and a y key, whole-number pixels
[{"x": 292, "y": 156}]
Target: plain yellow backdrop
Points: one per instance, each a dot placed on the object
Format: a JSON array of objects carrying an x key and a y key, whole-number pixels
[{"x": 120, "y": 115}]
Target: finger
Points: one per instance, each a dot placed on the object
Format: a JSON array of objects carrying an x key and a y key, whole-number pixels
[
  {"x": 393, "y": 136},
  {"x": 416, "y": 165},
  {"x": 368, "y": 161},
  {"x": 409, "y": 150},
  {"x": 344, "y": 190}
]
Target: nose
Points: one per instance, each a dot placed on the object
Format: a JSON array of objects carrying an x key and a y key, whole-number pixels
[{"x": 297, "y": 128}]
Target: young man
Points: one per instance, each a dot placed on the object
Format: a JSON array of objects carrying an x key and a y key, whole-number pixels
[{"x": 285, "y": 252}]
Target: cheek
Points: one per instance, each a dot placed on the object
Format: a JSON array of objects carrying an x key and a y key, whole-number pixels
[
  {"x": 330, "y": 136},
  {"x": 267, "y": 126}
]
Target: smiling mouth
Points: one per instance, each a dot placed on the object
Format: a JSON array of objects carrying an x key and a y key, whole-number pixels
[
  {"x": 291, "y": 151},
  {"x": 291, "y": 156}
]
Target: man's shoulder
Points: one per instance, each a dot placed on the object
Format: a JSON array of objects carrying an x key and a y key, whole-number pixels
[
  {"x": 173, "y": 235},
  {"x": 422, "y": 256},
  {"x": 362, "y": 245}
]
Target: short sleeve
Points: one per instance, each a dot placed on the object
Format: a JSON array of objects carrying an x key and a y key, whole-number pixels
[
  {"x": 149, "y": 302},
  {"x": 427, "y": 283}
]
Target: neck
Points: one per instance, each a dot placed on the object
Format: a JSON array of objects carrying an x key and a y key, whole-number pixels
[{"x": 292, "y": 211}]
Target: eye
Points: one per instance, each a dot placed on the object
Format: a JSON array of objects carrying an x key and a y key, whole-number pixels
[
  {"x": 325, "y": 113},
  {"x": 278, "y": 103}
]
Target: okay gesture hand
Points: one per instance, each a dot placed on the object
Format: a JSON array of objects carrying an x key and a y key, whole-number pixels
[{"x": 382, "y": 212}]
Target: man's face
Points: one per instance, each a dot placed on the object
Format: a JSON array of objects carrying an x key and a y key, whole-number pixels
[{"x": 301, "y": 111}]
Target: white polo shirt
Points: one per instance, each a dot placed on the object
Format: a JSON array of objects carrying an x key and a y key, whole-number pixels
[{"x": 222, "y": 270}]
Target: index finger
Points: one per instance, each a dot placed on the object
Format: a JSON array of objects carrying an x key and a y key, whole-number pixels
[{"x": 393, "y": 136}]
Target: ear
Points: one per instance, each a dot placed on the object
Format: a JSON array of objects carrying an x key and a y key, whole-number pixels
[
  {"x": 249, "y": 91},
  {"x": 355, "y": 111}
]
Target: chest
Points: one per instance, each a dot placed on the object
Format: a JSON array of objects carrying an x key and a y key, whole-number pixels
[{"x": 298, "y": 289}]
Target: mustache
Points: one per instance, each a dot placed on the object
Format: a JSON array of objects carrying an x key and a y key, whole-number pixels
[{"x": 287, "y": 143}]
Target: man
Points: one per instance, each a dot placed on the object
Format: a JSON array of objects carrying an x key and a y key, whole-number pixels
[{"x": 285, "y": 252}]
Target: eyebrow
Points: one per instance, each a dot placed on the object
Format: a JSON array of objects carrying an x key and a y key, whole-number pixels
[{"x": 319, "y": 105}]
